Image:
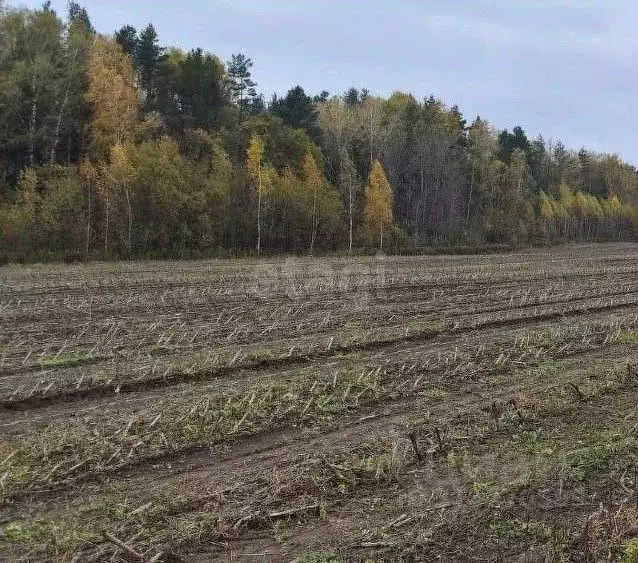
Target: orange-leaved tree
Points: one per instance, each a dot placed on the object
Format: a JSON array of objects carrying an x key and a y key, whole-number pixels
[
  {"x": 377, "y": 212},
  {"x": 115, "y": 103}
]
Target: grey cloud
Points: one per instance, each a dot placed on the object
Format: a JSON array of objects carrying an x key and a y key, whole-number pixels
[{"x": 565, "y": 68}]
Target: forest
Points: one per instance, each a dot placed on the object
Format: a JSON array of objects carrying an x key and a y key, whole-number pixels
[{"x": 121, "y": 147}]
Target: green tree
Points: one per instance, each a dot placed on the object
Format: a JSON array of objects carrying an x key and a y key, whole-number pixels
[
  {"x": 127, "y": 38},
  {"x": 89, "y": 173},
  {"x": 62, "y": 211},
  {"x": 28, "y": 196},
  {"x": 79, "y": 15},
  {"x": 240, "y": 84},
  {"x": 258, "y": 178},
  {"x": 31, "y": 54},
  {"x": 147, "y": 57},
  {"x": 284, "y": 146},
  {"x": 209, "y": 181},
  {"x": 297, "y": 110},
  {"x": 315, "y": 181},
  {"x": 200, "y": 89},
  {"x": 162, "y": 193},
  {"x": 121, "y": 173},
  {"x": 509, "y": 142},
  {"x": 482, "y": 148},
  {"x": 72, "y": 111}
]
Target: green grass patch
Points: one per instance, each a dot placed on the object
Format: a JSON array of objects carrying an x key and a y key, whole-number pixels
[
  {"x": 320, "y": 557},
  {"x": 486, "y": 492},
  {"x": 529, "y": 441},
  {"x": 17, "y": 532},
  {"x": 628, "y": 337},
  {"x": 617, "y": 453},
  {"x": 630, "y": 554},
  {"x": 64, "y": 360},
  {"x": 434, "y": 393},
  {"x": 512, "y": 530},
  {"x": 547, "y": 370}
]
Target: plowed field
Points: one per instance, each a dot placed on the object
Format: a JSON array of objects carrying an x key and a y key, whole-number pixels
[{"x": 477, "y": 408}]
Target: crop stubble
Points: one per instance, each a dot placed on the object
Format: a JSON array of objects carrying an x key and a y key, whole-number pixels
[{"x": 462, "y": 407}]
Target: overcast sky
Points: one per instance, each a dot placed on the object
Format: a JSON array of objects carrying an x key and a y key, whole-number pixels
[{"x": 561, "y": 68}]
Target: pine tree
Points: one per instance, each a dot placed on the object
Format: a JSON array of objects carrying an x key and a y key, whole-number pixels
[
  {"x": 127, "y": 38},
  {"x": 147, "y": 56},
  {"x": 297, "y": 110},
  {"x": 240, "y": 84}
]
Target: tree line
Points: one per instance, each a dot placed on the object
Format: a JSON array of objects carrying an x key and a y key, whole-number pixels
[{"x": 116, "y": 146}]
